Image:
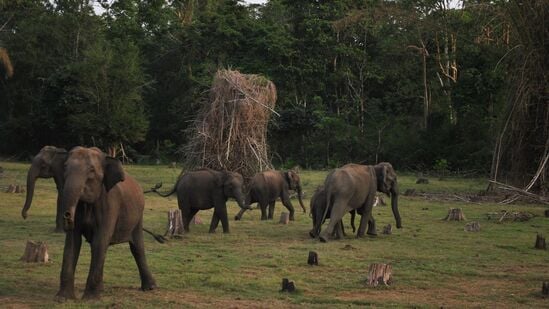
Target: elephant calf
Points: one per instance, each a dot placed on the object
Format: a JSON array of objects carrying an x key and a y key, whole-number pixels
[
  {"x": 204, "y": 189},
  {"x": 266, "y": 187},
  {"x": 318, "y": 205}
]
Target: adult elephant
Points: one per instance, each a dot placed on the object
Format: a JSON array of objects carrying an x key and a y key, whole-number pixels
[
  {"x": 266, "y": 187},
  {"x": 48, "y": 163},
  {"x": 105, "y": 205},
  {"x": 317, "y": 207},
  {"x": 354, "y": 186},
  {"x": 204, "y": 189}
]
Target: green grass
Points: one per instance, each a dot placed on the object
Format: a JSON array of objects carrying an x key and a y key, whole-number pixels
[{"x": 435, "y": 263}]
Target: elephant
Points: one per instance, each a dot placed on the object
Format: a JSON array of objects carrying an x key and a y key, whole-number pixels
[
  {"x": 104, "y": 204},
  {"x": 204, "y": 189},
  {"x": 266, "y": 187},
  {"x": 48, "y": 163},
  {"x": 317, "y": 207},
  {"x": 354, "y": 186}
]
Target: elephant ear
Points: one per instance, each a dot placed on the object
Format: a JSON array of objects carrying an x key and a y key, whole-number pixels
[
  {"x": 114, "y": 173},
  {"x": 288, "y": 179},
  {"x": 381, "y": 175}
]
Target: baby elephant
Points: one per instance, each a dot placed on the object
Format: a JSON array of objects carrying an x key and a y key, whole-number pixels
[
  {"x": 266, "y": 187},
  {"x": 318, "y": 206},
  {"x": 204, "y": 189}
]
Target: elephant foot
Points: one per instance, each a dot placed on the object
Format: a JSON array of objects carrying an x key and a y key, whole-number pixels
[
  {"x": 149, "y": 286},
  {"x": 374, "y": 234},
  {"x": 236, "y": 218},
  {"x": 323, "y": 238},
  {"x": 91, "y": 295},
  {"x": 64, "y": 295},
  {"x": 292, "y": 218},
  {"x": 312, "y": 234}
]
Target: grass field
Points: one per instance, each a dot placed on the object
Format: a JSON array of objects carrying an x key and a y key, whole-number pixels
[{"x": 435, "y": 263}]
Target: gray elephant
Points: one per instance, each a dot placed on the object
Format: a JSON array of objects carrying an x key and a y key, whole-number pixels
[
  {"x": 48, "y": 163},
  {"x": 317, "y": 208},
  {"x": 266, "y": 187},
  {"x": 354, "y": 186},
  {"x": 105, "y": 205},
  {"x": 204, "y": 189}
]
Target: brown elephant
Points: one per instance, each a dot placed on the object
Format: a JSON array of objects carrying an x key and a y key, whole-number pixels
[
  {"x": 48, "y": 163},
  {"x": 204, "y": 189},
  {"x": 354, "y": 186},
  {"x": 317, "y": 208},
  {"x": 105, "y": 205},
  {"x": 266, "y": 187}
]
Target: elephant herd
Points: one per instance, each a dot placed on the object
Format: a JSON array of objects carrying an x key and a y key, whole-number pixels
[{"x": 98, "y": 200}]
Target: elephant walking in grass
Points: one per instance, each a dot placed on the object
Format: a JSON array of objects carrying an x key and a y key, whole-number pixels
[
  {"x": 353, "y": 187},
  {"x": 204, "y": 189},
  {"x": 48, "y": 163},
  {"x": 266, "y": 187},
  {"x": 317, "y": 207},
  {"x": 105, "y": 205}
]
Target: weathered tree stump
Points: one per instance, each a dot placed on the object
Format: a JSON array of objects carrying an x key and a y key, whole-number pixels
[
  {"x": 380, "y": 274},
  {"x": 547, "y": 213},
  {"x": 36, "y": 252},
  {"x": 175, "y": 224},
  {"x": 196, "y": 220},
  {"x": 422, "y": 180},
  {"x": 15, "y": 189},
  {"x": 284, "y": 218},
  {"x": 472, "y": 227},
  {"x": 455, "y": 214},
  {"x": 540, "y": 242},
  {"x": 287, "y": 286},
  {"x": 388, "y": 229},
  {"x": 313, "y": 258},
  {"x": 545, "y": 288}
]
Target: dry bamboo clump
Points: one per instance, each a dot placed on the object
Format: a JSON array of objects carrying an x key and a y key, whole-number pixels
[{"x": 230, "y": 132}]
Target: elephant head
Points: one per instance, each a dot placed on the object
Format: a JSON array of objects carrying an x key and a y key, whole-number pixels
[
  {"x": 49, "y": 162},
  {"x": 294, "y": 183},
  {"x": 89, "y": 173},
  {"x": 387, "y": 183},
  {"x": 233, "y": 184}
]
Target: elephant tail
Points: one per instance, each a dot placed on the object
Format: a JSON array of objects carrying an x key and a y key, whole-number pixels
[
  {"x": 328, "y": 206},
  {"x": 158, "y": 186},
  {"x": 161, "y": 239}
]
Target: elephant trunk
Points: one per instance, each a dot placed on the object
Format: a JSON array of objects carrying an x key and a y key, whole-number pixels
[
  {"x": 394, "y": 205},
  {"x": 239, "y": 196},
  {"x": 300, "y": 197},
  {"x": 71, "y": 194},
  {"x": 32, "y": 176}
]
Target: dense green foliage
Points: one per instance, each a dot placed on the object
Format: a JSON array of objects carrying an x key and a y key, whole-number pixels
[{"x": 350, "y": 76}]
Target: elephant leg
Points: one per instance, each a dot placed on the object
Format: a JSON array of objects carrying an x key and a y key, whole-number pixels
[
  {"x": 372, "y": 226},
  {"x": 338, "y": 231},
  {"x": 223, "y": 217},
  {"x": 263, "y": 205},
  {"x": 353, "y": 215},
  {"x": 342, "y": 228},
  {"x": 73, "y": 243},
  {"x": 366, "y": 216},
  {"x": 286, "y": 202},
  {"x": 338, "y": 211},
  {"x": 214, "y": 223},
  {"x": 94, "y": 284},
  {"x": 187, "y": 217},
  {"x": 271, "y": 209},
  {"x": 138, "y": 251}
]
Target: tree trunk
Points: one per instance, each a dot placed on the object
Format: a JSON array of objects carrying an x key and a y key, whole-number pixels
[
  {"x": 380, "y": 274},
  {"x": 35, "y": 252},
  {"x": 455, "y": 214},
  {"x": 540, "y": 242},
  {"x": 175, "y": 224}
]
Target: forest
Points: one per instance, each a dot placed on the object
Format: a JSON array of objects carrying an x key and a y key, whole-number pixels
[{"x": 453, "y": 86}]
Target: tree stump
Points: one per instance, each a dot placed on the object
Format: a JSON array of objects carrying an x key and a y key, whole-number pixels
[
  {"x": 547, "y": 213},
  {"x": 196, "y": 220},
  {"x": 36, "y": 252},
  {"x": 455, "y": 214},
  {"x": 287, "y": 286},
  {"x": 545, "y": 289},
  {"x": 422, "y": 180},
  {"x": 15, "y": 189},
  {"x": 540, "y": 242},
  {"x": 175, "y": 224},
  {"x": 378, "y": 201},
  {"x": 313, "y": 258},
  {"x": 472, "y": 227},
  {"x": 284, "y": 218},
  {"x": 388, "y": 229},
  {"x": 380, "y": 274}
]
